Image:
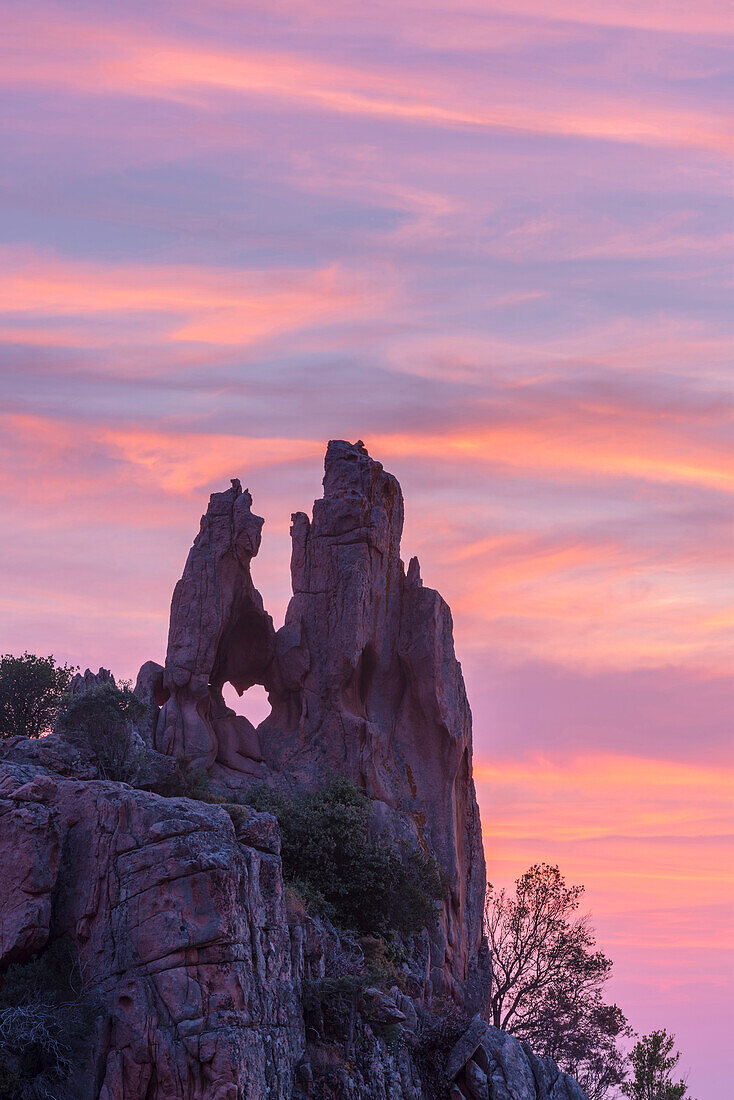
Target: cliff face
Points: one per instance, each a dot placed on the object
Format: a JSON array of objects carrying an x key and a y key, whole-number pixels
[
  {"x": 203, "y": 985},
  {"x": 199, "y": 985},
  {"x": 365, "y": 683},
  {"x": 179, "y": 928},
  {"x": 362, "y": 679}
]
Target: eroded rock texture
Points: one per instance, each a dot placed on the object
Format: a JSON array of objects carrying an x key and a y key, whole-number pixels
[
  {"x": 365, "y": 683},
  {"x": 200, "y": 987},
  {"x": 180, "y": 928},
  {"x": 219, "y": 633},
  {"x": 489, "y": 1064},
  {"x": 362, "y": 679}
]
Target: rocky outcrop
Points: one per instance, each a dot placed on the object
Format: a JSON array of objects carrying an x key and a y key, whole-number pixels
[
  {"x": 489, "y": 1064},
  {"x": 203, "y": 983},
  {"x": 81, "y": 683},
  {"x": 196, "y": 983},
  {"x": 180, "y": 930},
  {"x": 365, "y": 683},
  {"x": 219, "y": 633},
  {"x": 362, "y": 679}
]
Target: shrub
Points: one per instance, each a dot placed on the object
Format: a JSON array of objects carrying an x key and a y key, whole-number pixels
[
  {"x": 44, "y": 1016},
  {"x": 331, "y": 1003},
  {"x": 197, "y": 785},
  {"x": 31, "y": 689},
  {"x": 438, "y": 1031},
  {"x": 369, "y": 885},
  {"x": 52, "y": 977},
  {"x": 101, "y": 721}
]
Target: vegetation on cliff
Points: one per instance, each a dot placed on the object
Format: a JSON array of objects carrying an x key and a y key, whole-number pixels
[
  {"x": 341, "y": 871},
  {"x": 44, "y": 1016},
  {"x": 101, "y": 722}
]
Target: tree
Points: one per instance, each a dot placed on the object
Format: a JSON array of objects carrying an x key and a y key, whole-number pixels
[
  {"x": 31, "y": 689},
  {"x": 547, "y": 979},
  {"x": 101, "y": 721},
  {"x": 652, "y": 1060}
]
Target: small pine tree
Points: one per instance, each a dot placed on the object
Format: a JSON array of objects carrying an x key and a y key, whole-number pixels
[{"x": 652, "y": 1061}]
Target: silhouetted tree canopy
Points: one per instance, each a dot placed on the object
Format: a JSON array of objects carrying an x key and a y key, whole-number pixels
[
  {"x": 652, "y": 1061},
  {"x": 31, "y": 689},
  {"x": 101, "y": 721},
  {"x": 547, "y": 979}
]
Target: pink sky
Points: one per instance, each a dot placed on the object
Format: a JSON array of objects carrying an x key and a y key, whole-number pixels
[{"x": 494, "y": 240}]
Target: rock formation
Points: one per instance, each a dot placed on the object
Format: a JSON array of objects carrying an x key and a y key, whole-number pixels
[
  {"x": 365, "y": 683},
  {"x": 219, "y": 633},
  {"x": 180, "y": 931},
  {"x": 362, "y": 678},
  {"x": 489, "y": 1064},
  {"x": 199, "y": 982},
  {"x": 203, "y": 983}
]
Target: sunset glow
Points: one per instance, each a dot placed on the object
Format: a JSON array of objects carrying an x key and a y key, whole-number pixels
[{"x": 493, "y": 240}]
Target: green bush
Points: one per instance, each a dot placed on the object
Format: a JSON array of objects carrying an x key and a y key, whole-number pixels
[
  {"x": 101, "y": 721},
  {"x": 369, "y": 885},
  {"x": 196, "y": 784},
  {"x": 31, "y": 689}
]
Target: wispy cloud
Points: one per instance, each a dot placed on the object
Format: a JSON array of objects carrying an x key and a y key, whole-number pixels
[
  {"x": 175, "y": 303},
  {"x": 115, "y": 60}
]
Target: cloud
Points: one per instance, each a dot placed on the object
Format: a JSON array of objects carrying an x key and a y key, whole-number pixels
[
  {"x": 120, "y": 61},
  {"x": 173, "y": 303}
]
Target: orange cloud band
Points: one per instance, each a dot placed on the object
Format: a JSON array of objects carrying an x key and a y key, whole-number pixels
[{"x": 113, "y": 59}]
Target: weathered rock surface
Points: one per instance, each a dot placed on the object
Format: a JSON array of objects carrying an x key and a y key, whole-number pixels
[
  {"x": 488, "y": 1064},
  {"x": 180, "y": 928},
  {"x": 219, "y": 633},
  {"x": 362, "y": 679},
  {"x": 201, "y": 989},
  {"x": 365, "y": 683},
  {"x": 81, "y": 683}
]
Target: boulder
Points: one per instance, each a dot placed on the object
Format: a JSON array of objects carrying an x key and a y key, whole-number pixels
[
  {"x": 52, "y": 753},
  {"x": 489, "y": 1064},
  {"x": 465, "y": 1048},
  {"x": 381, "y": 1007}
]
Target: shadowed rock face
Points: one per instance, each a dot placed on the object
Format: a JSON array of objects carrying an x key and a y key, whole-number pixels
[{"x": 362, "y": 678}]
